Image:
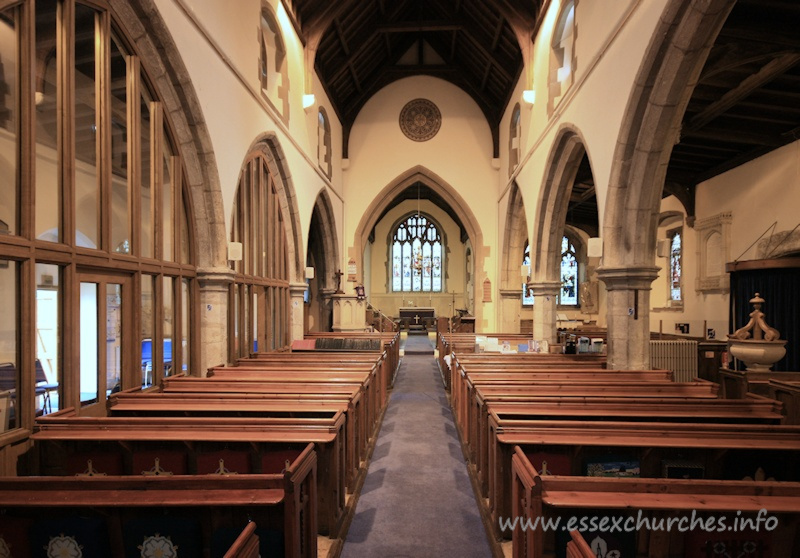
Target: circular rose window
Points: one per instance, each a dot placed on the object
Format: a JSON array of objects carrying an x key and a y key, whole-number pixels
[{"x": 420, "y": 119}]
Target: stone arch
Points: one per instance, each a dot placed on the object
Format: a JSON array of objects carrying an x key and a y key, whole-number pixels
[
  {"x": 450, "y": 195},
  {"x": 514, "y": 237},
  {"x": 161, "y": 58},
  {"x": 326, "y": 235},
  {"x": 666, "y": 79},
  {"x": 269, "y": 147},
  {"x": 561, "y": 169}
]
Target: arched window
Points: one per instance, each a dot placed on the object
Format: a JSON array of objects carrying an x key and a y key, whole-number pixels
[
  {"x": 324, "y": 147},
  {"x": 562, "y": 58},
  {"x": 259, "y": 299},
  {"x": 417, "y": 255},
  {"x": 273, "y": 71},
  {"x": 675, "y": 266},
  {"x": 96, "y": 267},
  {"x": 568, "y": 296},
  {"x": 527, "y": 296},
  {"x": 514, "y": 137}
]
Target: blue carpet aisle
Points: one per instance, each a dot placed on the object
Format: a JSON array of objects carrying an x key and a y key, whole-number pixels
[{"x": 417, "y": 500}]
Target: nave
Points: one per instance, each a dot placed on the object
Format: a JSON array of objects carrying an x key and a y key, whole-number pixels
[{"x": 417, "y": 499}]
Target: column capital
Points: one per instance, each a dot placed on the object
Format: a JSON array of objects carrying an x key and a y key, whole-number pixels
[
  {"x": 219, "y": 277},
  {"x": 297, "y": 289},
  {"x": 544, "y": 288},
  {"x": 628, "y": 278}
]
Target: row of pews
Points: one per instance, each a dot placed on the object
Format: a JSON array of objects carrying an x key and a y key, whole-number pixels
[
  {"x": 255, "y": 459},
  {"x": 554, "y": 438}
]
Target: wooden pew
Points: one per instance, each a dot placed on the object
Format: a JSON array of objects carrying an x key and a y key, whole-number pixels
[
  {"x": 152, "y": 403},
  {"x": 64, "y": 442},
  {"x": 362, "y": 376},
  {"x": 466, "y": 379},
  {"x": 509, "y": 413},
  {"x": 201, "y": 514},
  {"x": 468, "y": 411},
  {"x": 577, "y": 547},
  {"x": 336, "y": 359},
  {"x": 788, "y": 393},
  {"x": 722, "y": 450},
  {"x": 390, "y": 340},
  {"x": 630, "y": 500}
]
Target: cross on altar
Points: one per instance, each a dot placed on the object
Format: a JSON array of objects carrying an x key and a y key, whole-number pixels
[
  {"x": 416, "y": 319},
  {"x": 338, "y": 276}
]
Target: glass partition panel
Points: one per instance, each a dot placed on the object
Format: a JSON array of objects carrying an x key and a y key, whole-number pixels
[
  {"x": 169, "y": 320},
  {"x": 120, "y": 204},
  {"x": 9, "y": 123},
  {"x": 9, "y": 345},
  {"x": 48, "y": 334},
  {"x": 89, "y": 384},
  {"x": 48, "y": 192},
  {"x": 114, "y": 344},
  {"x": 87, "y": 198},
  {"x": 147, "y": 332}
]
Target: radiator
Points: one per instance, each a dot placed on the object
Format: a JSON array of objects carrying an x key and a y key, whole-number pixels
[{"x": 678, "y": 355}]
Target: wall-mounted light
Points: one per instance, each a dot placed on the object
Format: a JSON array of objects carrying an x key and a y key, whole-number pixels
[
  {"x": 529, "y": 96},
  {"x": 309, "y": 100},
  {"x": 235, "y": 251}
]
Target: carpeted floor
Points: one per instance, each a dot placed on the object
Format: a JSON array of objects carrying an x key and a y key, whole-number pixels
[{"x": 417, "y": 500}]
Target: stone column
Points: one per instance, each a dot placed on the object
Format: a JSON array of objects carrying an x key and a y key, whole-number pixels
[
  {"x": 628, "y": 315},
  {"x": 510, "y": 310},
  {"x": 214, "y": 286},
  {"x": 326, "y": 309},
  {"x": 297, "y": 307},
  {"x": 544, "y": 310}
]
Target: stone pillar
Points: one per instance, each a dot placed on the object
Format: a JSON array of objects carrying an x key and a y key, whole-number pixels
[
  {"x": 214, "y": 286},
  {"x": 349, "y": 313},
  {"x": 326, "y": 309},
  {"x": 297, "y": 306},
  {"x": 545, "y": 295},
  {"x": 510, "y": 310},
  {"x": 628, "y": 315}
]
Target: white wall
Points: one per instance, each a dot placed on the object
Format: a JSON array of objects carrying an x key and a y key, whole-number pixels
[{"x": 460, "y": 154}]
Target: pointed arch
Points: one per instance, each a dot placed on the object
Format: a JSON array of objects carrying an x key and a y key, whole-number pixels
[
  {"x": 325, "y": 236},
  {"x": 515, "y": 236},
  {"x": 161, "y": 57},
  {"x": 269, "y": 147},
  {"x": 561, "y": 169},
  {"x": 664, "y": 85},
  {"x": 450, "y": 195}
]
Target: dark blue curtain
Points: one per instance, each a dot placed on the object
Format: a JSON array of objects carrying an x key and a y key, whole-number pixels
[{"x": 780, "y": 289}]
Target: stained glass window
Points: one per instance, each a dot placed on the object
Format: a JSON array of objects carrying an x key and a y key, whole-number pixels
[
  {"x": 527, "y": 297},
  {"x": 417, "y": 256},
  {"x": 675, "y": 267},
  {"x": 569, "y": 274}
]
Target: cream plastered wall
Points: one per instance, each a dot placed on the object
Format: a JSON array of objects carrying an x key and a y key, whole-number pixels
[
  {"x": 610, "y": 41},
  {"x": 219, "y": 44},
  {"x": 758, "y": 194},
  {"x": 460, "y": 154},
  {"x": 377, "y": 254}
]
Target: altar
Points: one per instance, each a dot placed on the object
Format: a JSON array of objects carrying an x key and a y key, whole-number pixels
[{"x": 417, "y": 318}]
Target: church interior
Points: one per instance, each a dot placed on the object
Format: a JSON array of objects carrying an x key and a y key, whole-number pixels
[{"x": 308, "y": 278}]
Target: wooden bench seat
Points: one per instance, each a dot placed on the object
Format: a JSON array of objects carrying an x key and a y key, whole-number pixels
[
  {"x": 64, "y": 442},
  {"x": 558, "y": 498},
  {"x": 390, "y": 340},
  {"x": 721, "y": 451},
  {"x": 788, "y": 393},
  {"x": 365, "y": 375},
  {"x": 183, "y": 404},
  {"x": 467, "y": 411},
  {"x": 762, "y": 411},
  {"x": 204, "y": 515},
  {"x": 465, "y": 381}
]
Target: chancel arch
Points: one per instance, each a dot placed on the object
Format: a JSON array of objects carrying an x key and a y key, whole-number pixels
[{"x": 449, "y": 202}]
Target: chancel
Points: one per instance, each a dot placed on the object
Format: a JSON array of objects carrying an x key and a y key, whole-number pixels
[{"x": 310, "y": 278}]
